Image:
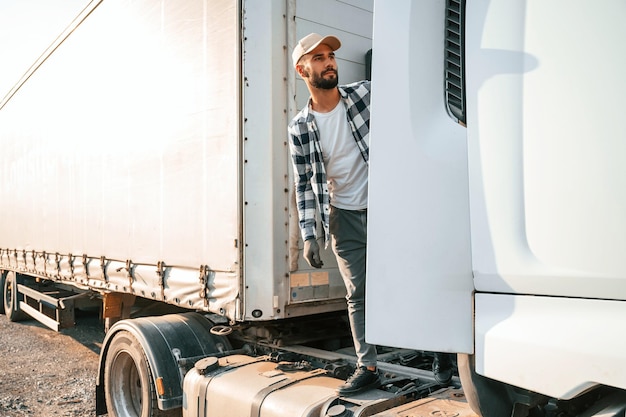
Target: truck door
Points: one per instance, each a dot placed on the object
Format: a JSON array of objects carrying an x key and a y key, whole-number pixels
[{"x": 419, "y": 285}]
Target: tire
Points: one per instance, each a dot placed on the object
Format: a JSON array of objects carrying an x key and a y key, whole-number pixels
[
  {"x": 11, "y": 298},
  {"x": 490, "y": 398},
  {"x": 486, "y": 397},
  {"x": 3, "y": 275},
  {"x": 128, "y": 384}
]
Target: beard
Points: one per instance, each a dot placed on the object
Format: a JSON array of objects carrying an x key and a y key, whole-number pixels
[{"x": 318, "y": 81}]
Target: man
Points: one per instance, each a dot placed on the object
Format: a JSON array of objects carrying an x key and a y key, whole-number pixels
[{"x": 329, "y": 143}]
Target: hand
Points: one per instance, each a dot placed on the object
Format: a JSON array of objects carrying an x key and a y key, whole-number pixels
[{"x": 312, "y": 253}]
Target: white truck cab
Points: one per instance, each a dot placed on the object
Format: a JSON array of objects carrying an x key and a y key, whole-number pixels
[{"x": 498, "y": 189}]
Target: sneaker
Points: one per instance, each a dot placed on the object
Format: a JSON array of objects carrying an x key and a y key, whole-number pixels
[
  {"x": 362, "y": 379},
  {"x": 442, "y": 368}
]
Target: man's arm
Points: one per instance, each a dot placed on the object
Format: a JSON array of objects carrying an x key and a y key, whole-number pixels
[{"x": 305, "y": 198}]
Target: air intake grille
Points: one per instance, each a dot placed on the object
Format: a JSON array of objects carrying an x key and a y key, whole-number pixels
[{"x": 455, "y": 58}]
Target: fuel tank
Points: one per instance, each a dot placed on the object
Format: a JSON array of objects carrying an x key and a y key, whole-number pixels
[{"x": 241, "y": 385}]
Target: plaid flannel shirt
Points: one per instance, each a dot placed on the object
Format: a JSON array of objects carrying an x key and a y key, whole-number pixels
[{"x": 308, "y": 163}]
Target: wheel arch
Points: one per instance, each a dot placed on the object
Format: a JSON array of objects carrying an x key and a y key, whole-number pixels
[{"x": 159, "y": 336}]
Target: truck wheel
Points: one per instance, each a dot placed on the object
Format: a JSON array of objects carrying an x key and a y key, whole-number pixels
[
  {"x": 491, "y": 398},
  {"x": 11, "y": 299},
  {"x": 128, "y": 384},
  {"x": 486, "y": 397}
]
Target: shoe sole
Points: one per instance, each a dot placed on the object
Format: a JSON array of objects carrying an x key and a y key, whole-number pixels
[{"x": 443, "y": 382}]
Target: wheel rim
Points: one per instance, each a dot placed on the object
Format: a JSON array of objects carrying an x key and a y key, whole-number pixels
[{"x": 126, "y": 382}]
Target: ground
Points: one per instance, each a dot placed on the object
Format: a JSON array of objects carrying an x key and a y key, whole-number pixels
[{"x": 45, "y": 373}]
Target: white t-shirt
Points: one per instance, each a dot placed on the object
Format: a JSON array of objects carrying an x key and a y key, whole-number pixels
[{"x": 346, "y": 171}]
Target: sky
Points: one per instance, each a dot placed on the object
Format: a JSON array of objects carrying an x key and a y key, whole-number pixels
[{"x": 27, "y": 28}]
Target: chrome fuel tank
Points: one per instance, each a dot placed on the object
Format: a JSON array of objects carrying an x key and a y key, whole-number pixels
[{"x": 241, "y": 385}]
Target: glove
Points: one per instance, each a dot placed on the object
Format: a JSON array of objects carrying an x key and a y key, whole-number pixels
[{"x": 312, "y": 253}]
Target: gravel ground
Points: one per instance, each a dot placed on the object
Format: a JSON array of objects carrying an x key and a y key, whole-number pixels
[{"x": 45, "y": 373}]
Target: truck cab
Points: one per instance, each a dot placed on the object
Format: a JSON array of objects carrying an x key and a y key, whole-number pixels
[{"x": 497, "y": 193}]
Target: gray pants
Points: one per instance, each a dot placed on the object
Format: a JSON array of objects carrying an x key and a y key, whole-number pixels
[{"x": 349, "y": 231}]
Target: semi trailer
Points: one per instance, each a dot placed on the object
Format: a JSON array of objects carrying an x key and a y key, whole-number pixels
[{"x": 145, "y": 173}]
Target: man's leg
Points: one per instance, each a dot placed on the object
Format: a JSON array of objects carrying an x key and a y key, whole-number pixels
[
  {"x": 349, "y": 231},
  {"x": 443, "y": 367}
]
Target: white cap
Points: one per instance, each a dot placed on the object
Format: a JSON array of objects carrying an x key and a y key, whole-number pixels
[{"x": 312, "y": 41}]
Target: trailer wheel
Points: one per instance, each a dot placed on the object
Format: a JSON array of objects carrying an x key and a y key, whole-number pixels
[
  {"x": 128, "y": 384},
  {"x": 11, "y": 298},
  {"x": 3, "y": 275}
]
